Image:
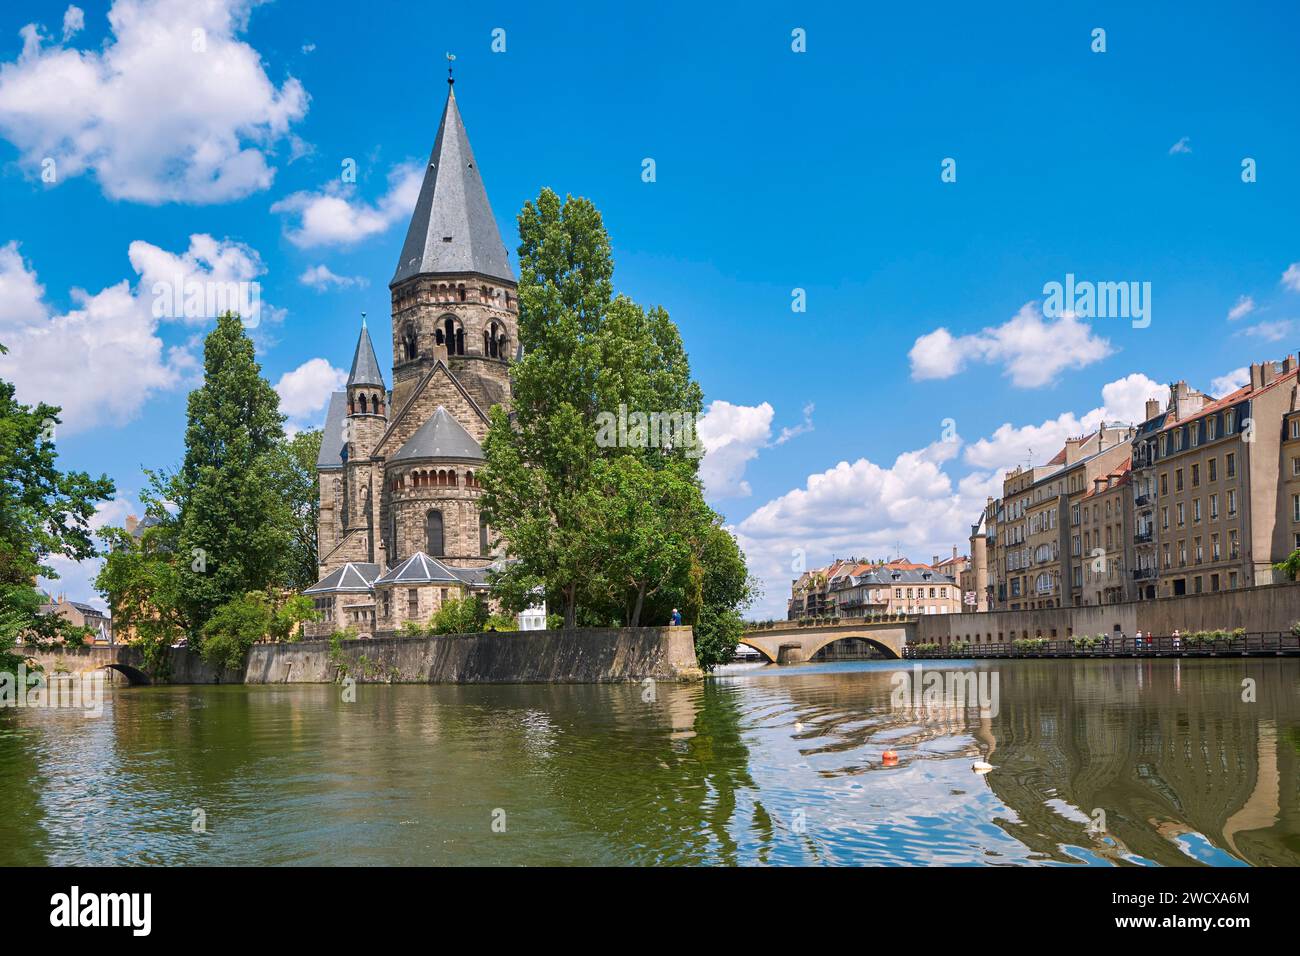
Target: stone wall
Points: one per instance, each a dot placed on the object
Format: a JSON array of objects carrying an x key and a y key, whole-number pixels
[
  {"x": 586, "y": 655},
  {"x": 1271, "y": 608}
]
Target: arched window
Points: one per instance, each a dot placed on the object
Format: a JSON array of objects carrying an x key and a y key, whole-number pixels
[
  {"x": 482, "y": 535},
  {"x": 453, "y": 335},
  {"x": 408, "y": 341},
  {"x": 433, "y": 532},
  {"x": 363, "y": 403}
]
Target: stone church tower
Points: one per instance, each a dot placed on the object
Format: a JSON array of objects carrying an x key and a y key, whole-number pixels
[{"x": 400, "y": 528}]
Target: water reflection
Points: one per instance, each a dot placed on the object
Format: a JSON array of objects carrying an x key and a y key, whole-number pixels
[{"x": 757, "y": 766}]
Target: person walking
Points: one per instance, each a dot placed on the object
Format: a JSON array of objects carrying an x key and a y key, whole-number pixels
[
  {"x": 1178, "y": 640},
  {"x": 1137, "y": 639},
  {"x": 677, "y": 617}
]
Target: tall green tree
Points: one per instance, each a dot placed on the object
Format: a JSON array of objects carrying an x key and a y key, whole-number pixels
[
  {"x": 236, "y": 527},
  {"x": 43, "y": 512},
  {"x": 602, "y": 509},
  {"x": 295, "y": 476}
]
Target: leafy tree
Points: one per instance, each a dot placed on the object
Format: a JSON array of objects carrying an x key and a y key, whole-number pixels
[
  {"x": 236, "y": 526},
  {"x": 1290, "y": 567},
  {"x": 609, "y": 521},
  {"x": 295, "y": 477},
  {"x": 465, "y": 615},
  {"x": 240, "y": 623},
  {"x": 43, "y": 512}
]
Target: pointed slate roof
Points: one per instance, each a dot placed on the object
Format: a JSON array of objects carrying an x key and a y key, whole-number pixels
[
  {"x": 353, "y": 576},
  {"x": 440, "y": 437},
  {"x": 365, "y": 367},
  {"x": 331, "y": 439},
  {"x": 452, "y": 228}
]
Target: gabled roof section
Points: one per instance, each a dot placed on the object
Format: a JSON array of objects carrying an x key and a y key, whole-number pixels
[
  {"x": 401, "y": 413},
  {"x": 331, "y": 438},
  {"x": 353, "y": 576},
  {"x": 452, "y": 228},
  {"x": 419, "y": 568},
  {"x": 440, "y": 437},
  {"x": 365, "y": 367}
]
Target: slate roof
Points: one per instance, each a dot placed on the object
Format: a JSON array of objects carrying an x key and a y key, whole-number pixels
[
  {"x": 331, "y": 439},
  {"x": 365, "y": 367},
  {"x": 353, "y": 576},
  {"x": 419, "y": 568},
  {"x": 440, "y": 437},
  {"x": 452, "y": 228}
]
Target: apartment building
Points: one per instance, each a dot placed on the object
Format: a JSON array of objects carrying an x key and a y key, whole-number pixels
[
  {"x": 1107, "y": 539},
  {"x": 851, "y": 588},
  {"x": 1036, "y": 554},
  {"x": 1218, "y": 468}
]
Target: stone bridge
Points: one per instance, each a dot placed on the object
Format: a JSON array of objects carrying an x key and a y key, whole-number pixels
[
  {"x": 792, "y": 644},
  {"x": 180, "y": 666}
]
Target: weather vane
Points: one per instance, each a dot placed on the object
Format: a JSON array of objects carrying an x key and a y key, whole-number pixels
[
  {"x": 451, "y": 58},
  {"x": 363, "y": 320}
]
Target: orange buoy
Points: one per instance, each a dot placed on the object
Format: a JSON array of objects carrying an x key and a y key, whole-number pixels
[{"x": 890, "y": 757}]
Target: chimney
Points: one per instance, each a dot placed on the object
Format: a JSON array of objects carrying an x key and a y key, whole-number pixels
[
  {"x": 1256, "y": 376},
  {"x": 1267, "y": 372},
  {"x": 954, "y": 552},
  {"x": 1288, "y": 364},
  {"x": 1153, "y": 408}
]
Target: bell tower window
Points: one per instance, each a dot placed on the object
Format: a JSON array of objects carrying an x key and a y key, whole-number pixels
[{"x": 433, "y": 533}]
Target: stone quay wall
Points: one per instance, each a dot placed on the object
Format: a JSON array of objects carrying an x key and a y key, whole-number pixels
[{"x": 1259, "y": 610}]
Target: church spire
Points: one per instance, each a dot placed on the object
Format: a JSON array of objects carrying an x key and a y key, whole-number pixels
[
  {"x": 452, "y": 228},
  {"x": 365, "y": 367}
]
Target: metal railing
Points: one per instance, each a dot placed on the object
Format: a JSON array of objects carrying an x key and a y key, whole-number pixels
[{"x": 1266, "y": 643}]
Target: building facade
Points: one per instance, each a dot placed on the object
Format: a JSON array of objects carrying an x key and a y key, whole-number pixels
[{"x": 400, "y": 529}]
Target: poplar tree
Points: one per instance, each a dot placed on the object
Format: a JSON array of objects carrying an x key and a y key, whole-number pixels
[
  {"x": 235, "y": 523},
  {"x": 611, "y": 531}
]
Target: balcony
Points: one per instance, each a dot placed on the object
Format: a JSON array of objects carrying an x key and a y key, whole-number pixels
[
  {"x": 1142, "y": 537},
  {"x": 1143, "y": 574},
  {"x": 1142, "y": 501}
]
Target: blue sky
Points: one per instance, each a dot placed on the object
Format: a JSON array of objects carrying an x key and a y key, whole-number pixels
[{"x": 775, "y": 170}]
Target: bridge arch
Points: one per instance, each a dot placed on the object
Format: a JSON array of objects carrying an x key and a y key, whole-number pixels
[
  {"x": 134, "y": 676},
  {"x": 888, "y": 652},
  {"x": 793, "y": 644}
]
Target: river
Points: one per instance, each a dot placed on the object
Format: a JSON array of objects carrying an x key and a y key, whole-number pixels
[{"x": 1099, "y": 762}]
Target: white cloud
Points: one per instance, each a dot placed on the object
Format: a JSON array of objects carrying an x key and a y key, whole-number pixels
[
  {"x": 173, "y": 108},
  {"x": 1291, "y": 278},
  {"x": 1123, "y": 400},
  {"x": 1244, "y": 306},
  {"x": 335, "y": 217},
  {"x": 102, "y": 361},
  {"x": 1032, "y": 350},
  {"x": 306, "y": 390},
  {"x": 1274, "y": 331},
  {"x": 1230, "y": 382},
  {"x": 732, "y": 436},
  {"x": 1180, "y": 147},
  {"x": 208, "y": 265},
  {"x": 803, "y": 427},
  {"x": 76, "y": 579},
  {"x": 859, "y": 508},
  {"x": 74, "y": 21},
  {"x": 321, "y": 278}
]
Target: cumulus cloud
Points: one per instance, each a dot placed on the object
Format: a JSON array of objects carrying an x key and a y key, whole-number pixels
[
  {"x": 1032, "y": 350},
  {"x": 732, "y": 436},
  {"x": 1182, "y": 146},
  {"x": 860, "y": 508},
  {"x": 1243, "y": 307},
  {"x": 104, "y": 359},
  {"x": 74, "y": 21},
  {"x": 334, "y": 216},
  {"x": 1123, "y": 400},
  {"x": 306, "y": 390},
  {"x": 76, "y": 579},
  {"x": 1226, "y": 384},
  {"x": 174, "y": 107},
  {"x": 1291, "y": 278},
  {"x": 321, "y": 278}
]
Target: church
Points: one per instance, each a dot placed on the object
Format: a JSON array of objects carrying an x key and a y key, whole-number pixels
[{"x": 400, "y": 530}]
